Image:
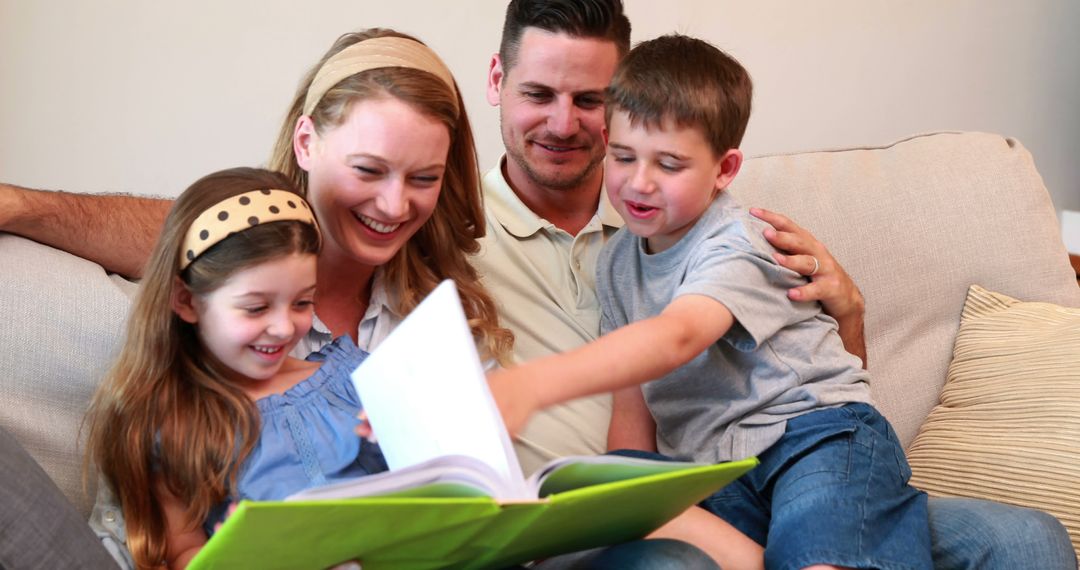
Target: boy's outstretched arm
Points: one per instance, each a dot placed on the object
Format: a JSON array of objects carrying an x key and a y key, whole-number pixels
[{"x": 631, "y": 355}]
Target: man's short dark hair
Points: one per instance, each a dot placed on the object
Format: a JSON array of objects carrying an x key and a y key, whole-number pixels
[
  {"x": 594, "y": 19},
  {"x": 687, "y": 81}
]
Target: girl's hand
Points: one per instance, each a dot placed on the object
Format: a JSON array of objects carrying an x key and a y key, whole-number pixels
[
  {"x": 228, "y": 513},
  {"x": 363, "y": 429}
]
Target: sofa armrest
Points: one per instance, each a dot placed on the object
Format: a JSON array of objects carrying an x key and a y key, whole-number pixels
[{"x": 63, "y": 318}]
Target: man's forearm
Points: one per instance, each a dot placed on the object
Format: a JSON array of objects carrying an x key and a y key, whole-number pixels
[
  {"x": 851, "y": 333},
  {"x": 116, "y": 231}
]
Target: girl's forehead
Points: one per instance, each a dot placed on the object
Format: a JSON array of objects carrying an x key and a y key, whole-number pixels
[{"x": 285, "y": 268}]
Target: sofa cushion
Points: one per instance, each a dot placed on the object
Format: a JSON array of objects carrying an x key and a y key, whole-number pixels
[
  {"x": 1008, "y": 425},
  {"x": 915, "y": 223},
  {"x": 63, "y": 318}
]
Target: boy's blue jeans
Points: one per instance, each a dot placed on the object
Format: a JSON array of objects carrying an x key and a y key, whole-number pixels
[
  {"x": 970, "y": 534},
  {"x": 833, "y": 490}
]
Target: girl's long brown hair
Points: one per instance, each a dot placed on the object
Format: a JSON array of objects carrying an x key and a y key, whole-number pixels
[
  {"x": 165, "y": 413},
  {"x": 439, "y": 249}
]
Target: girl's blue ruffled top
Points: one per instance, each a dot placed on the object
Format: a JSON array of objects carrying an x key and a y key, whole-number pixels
[{"x": 307, "y": 436}]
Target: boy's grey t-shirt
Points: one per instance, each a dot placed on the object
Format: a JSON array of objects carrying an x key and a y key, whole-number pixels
[{"x": 779, "y": 360}]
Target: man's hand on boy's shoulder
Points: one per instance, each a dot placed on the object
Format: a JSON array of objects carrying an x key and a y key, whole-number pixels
[
  {"x": 803, "y": 253},
  {"x": 829, "y": 283}
]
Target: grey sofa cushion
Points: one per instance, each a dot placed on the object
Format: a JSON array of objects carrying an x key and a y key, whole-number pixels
[{"x": 63, "y": 317}]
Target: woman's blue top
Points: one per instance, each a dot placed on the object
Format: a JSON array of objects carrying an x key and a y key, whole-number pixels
[{"x": 307, "y": 436}]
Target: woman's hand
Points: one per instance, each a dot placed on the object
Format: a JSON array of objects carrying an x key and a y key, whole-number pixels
[{"x": 829, "y": 283}]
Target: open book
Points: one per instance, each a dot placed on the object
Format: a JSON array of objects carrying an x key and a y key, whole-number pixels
[{"x": 455, "y": 496}]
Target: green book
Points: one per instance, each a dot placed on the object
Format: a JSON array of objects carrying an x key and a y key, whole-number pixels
[
  {"x": 455, "y": 496},
  {"x": 446, "y": 521}
]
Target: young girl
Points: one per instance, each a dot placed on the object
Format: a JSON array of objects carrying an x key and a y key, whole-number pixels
[{"x": 205, "y": 405}]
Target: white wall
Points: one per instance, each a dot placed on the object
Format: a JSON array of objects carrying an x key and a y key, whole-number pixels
[{"x": 145, "y": 96}]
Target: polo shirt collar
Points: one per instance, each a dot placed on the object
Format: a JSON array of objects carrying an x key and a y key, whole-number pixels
[{"x": 501, "y": 201}]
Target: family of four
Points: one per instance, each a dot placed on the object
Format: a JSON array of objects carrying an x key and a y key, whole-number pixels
[{"x": 719, "y": 335}]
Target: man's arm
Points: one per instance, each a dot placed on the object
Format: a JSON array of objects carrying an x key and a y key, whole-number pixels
[
  {"x": 830, "y": 284},
  {"x": 628, "y": 356},
  {"x": 116, "y": 231}
]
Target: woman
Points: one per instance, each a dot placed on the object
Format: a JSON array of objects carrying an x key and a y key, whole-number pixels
[{"x": 378, "y": 139}]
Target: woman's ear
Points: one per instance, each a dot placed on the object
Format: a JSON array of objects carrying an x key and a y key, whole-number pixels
[
  {"x": 304, "y": 140},
  {"x": 182, "y": 302}
]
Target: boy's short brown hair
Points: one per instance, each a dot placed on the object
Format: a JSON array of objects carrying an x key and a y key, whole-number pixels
[{"x": 687, "y": 81}]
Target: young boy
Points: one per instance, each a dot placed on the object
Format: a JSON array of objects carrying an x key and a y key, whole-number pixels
[{"x": 695, "y": 307}]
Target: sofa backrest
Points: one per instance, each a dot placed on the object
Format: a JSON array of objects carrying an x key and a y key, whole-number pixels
[{"x": 915, "y": 223}]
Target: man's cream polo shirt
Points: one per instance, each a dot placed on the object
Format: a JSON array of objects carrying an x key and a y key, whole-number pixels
[{"x": 544, "y": 281}]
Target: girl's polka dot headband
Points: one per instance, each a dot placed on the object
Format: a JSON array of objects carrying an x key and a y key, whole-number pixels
[{"x": 238, "y": 213}]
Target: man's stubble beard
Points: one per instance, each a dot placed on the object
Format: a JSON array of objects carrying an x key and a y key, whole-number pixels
[{"x": 560, "y": 181}]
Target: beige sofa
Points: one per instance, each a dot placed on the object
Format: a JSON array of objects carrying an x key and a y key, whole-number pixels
[{"x": 915, "y": 223}]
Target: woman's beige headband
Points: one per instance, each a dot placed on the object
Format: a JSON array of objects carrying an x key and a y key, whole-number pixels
[
  {"x": 374, "y": 54},
  {"x": 238, "y": 213}
]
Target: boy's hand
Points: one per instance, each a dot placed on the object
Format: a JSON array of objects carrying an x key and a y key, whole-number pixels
[{"x": 514, "y": 397}]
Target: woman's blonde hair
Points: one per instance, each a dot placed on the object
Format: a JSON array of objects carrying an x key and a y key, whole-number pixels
[
  {"x": 165, "y": 414},
  {"x": 439, "y": 248}
]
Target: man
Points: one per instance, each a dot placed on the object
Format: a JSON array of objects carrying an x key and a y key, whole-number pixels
[{"x": 547, "y": 220}]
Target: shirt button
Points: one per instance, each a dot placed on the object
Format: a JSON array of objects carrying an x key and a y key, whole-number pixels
[{"x": 110, "y": 516}]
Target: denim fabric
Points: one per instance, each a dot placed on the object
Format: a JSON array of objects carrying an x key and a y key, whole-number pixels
[
  {"x": 970, "y": 534},
  {"x": 653, "y": 554},
  {"x": 833, "y": 490},
  {"x": 307, "y": 435},
  {"x": 973, "y": 534}
]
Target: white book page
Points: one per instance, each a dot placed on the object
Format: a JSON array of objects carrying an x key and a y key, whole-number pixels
[
  {"x": 426, "y": 395},
  {"x": 453, "y": 469}
]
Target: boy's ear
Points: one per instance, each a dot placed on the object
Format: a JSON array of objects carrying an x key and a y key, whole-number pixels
[
  {"x": 182, "y": 302},
  {"x": 304, "y": 140},
  {"x": 495, "y": 77},
  {"x": 730, "y": 163}
]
